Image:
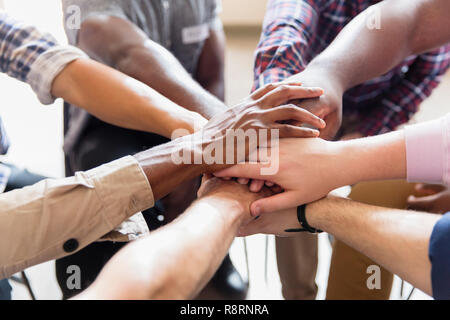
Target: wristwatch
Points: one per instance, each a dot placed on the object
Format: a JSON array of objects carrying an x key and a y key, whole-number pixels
[{"x": 301, "y": 216}]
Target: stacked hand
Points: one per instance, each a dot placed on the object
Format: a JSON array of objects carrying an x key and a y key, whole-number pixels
[
  {"x": 329, "y": 105},
  {"x": 220, "y": 189},
  {"x": 265, "y": 109},
  {"x": 260, "y": 111},
  {"x": 306, "y": 172}
]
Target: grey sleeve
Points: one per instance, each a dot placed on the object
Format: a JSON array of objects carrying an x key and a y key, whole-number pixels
[
  {"x": 76, "y": 11},
  {"x": 215, "y": 8}
]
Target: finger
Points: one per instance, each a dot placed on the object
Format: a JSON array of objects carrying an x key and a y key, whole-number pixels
[
  {"x": 334, "y": 121},
  {"x": 316, "y": 106},
  {"x": 270, "y": 184},
  {"x": 244, "y": 170},
  {"x": 275, "y": 203},
  {"x": 276, "y": 189},
  {"x": 261, "y": 92},
  {"x": 256, "y": 185},
  {"x": 289, "y": 131},
  {"x": 243, "y": 181},
  {"x": 293, "y": 113},
  {"x": 285, "y": 93},
  {"x": 428, "y": 189},
  {"x": 421, "y": 203}
]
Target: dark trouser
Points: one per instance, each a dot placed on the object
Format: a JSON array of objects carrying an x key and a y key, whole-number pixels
[
  {"x": 5, "y": 290},
  {"x": 18, "y": 179},
  {"x": 100, "y": 145}
]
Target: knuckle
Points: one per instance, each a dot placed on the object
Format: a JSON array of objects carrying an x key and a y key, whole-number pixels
[
  {"x": 269, "y": 86},
  {"x": 288, "y": 129},
  {"x": 284, "y": 88}
]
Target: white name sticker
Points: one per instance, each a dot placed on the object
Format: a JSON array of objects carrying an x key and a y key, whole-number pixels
[{"x": 195, "y": 34}]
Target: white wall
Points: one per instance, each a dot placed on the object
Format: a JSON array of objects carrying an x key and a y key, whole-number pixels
[
  {"x": 39, "y": 148},
  {"x": 243, "y": 12}
]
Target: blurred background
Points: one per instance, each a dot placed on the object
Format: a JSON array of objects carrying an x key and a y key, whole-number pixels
[{"x": 36, "y": 136}]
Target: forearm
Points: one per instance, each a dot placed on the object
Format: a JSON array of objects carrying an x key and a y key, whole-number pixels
[
  {"x": 122, "y": 45},
  {"x": 176, "y": 261},
  {"x": 156, "y": 67},
  {"x": 407, "y": 27},
  {"x": 37, "y": 221},
  {"x": 375, "y": 158},
  {"x": 210, "y": 72},
  {"x": 396, "y": 239},
  {"x": 119, "y": 99},
  {"x": 165, "y": 172}
]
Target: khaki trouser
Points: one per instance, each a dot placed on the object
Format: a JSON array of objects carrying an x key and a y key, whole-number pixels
[
  {"x": 297, "y": 257},
  {"x": 297, "y": 266}
]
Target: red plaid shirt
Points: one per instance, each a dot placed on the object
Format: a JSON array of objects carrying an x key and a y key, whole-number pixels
[{"x": 295, "y": 31}]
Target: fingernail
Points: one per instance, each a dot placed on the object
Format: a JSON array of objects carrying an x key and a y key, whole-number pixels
[
  {"x": 256, "y": 211},
  {"x": 317, "y": 89}
]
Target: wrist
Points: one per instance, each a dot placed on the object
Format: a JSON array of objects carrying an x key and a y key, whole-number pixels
[
  {"x": 326, "y": 77},
  {"x": 319, "y": 214},
  {"x": 227, "y": 205},
  {"x": 341, "y": 157},
  {"x": 376, "y": 158}
]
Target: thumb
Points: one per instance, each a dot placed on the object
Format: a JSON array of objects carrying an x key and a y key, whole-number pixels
[
  {"x": 421, "y": 203},
  {"x": 244, "y": 170},
  {"x": 282, "y": 201}
]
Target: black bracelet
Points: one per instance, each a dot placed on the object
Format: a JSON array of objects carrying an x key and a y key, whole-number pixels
[{"x": 301, "y": 216}]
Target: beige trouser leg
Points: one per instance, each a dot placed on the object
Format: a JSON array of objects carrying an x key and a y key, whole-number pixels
[
  {"x": 348, "y": 271},
  {"x": 297, "y": 266}
]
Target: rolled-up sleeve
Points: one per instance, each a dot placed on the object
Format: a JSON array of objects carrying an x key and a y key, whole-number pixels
[
  {"x": 439, "y": 253},
  {"x": 31, "y": 56},
  {"x": 428, "y": 151},
  {"x": 55, "y": 218}
]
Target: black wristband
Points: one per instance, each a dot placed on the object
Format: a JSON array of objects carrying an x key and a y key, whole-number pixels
[{"x": 301, "y": 216}]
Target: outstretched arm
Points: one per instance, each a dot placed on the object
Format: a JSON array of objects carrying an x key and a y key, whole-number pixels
[
  {"x": 407, "y": 28},
  {"x": 362, "y": 52},
  {"x": 397, "y": 239},
  {"x": 308, "y": 169},
  {"x": 55, "y": 71},
  {"x": 176, "y": 261},
  {"x": 419, "y": 153},
  {"x": 122, "y": 45},
  {"x": 121, "y": 100}
]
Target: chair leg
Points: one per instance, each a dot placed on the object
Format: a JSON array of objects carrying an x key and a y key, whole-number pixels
[{"x": 27, "y": 284}]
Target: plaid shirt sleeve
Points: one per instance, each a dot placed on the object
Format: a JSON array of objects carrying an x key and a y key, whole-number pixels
[
  {"x": 282, "y": 52},
  {"x": 403, "y": 100},
  {"x": 32, "y": 57}
]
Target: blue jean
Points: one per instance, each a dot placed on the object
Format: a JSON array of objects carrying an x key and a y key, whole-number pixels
[
  {"x": 5, "y": 290},
  {"x": 440, "y": 258}
]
